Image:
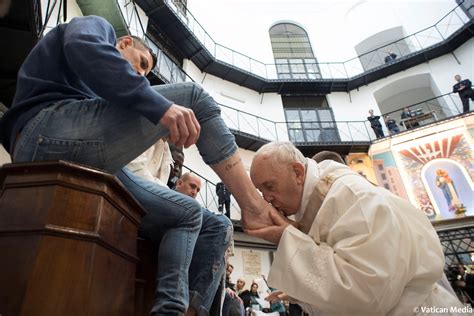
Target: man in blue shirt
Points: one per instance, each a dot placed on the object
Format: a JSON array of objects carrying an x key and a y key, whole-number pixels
[{"x": 82, "y": 96}]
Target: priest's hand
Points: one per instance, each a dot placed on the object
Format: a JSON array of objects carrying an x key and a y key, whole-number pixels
[
  {"x": 273, "y": 232},
  {"x": 277, "y": 296}
]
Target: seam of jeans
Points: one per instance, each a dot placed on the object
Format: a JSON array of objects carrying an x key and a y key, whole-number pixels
[{"x": 32, "y": 125}]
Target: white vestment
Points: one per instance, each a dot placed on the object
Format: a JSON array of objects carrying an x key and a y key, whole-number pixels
[
  {"x": 362, "y": 250},
  {"x": 154, "y": 164}
]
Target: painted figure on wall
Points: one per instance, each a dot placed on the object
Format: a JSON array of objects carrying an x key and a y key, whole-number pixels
[{"x": 444, "y": 182}]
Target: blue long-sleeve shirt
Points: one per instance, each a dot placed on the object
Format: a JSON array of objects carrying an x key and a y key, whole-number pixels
[{"x": 78, "y": 60}]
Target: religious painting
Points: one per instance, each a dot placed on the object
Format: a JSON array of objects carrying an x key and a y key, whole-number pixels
[{"x": 440, "y": 174}]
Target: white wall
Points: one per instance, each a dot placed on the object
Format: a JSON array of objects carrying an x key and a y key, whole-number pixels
[
  {"x": 442, "y": 71},
  {"x": 237, "y": 262}
]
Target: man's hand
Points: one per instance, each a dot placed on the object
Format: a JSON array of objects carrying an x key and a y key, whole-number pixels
[
  {"x": 273, "y": 232},
  {"x": 182, "y": 124}
]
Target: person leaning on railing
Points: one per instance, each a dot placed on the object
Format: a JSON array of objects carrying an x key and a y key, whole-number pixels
[
  {"x": 391, "y": 125},
  {"x": 464, "y": 88}
]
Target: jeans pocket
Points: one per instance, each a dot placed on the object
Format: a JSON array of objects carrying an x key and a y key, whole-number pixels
[{"x": 87, "y": 152}]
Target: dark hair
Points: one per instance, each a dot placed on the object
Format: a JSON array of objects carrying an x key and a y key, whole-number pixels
[{"x": 141, "y": 44}]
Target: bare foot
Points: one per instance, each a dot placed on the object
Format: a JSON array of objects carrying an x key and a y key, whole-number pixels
[{"x": 258, "y": 217}]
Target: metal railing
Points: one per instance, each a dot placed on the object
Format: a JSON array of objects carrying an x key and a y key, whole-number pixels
[
  {"x": 347, "y": 131},
  {"x": 441, "y": 107},
  {"x": 207, "y": 196},
  {"x": 428, "y": 111},
  {"x": 404, "y": 47},
  {"x": 166, "y": 69}
]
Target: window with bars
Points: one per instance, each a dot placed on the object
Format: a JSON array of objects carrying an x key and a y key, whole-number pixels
[
  {"x": 309, "y": 125},
  {"x": 293, "y": 53}
]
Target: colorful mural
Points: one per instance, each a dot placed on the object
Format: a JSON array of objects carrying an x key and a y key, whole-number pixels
[
  {"x": 387, "y": 174},
  {"x": 438, "y": 174},
  {"x": 441, "y": 176}
]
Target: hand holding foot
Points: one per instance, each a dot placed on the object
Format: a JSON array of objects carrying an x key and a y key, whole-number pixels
[{"x": 273, "y": 232}]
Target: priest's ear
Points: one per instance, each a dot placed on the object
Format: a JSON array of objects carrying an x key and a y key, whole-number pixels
[{"x": 298, "y": 169}]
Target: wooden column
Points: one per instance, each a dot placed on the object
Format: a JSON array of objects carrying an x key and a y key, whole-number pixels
[{"x": 68, "y": 241}]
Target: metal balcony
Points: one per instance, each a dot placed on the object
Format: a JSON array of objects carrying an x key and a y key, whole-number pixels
[{"x": 196, "y": 44}]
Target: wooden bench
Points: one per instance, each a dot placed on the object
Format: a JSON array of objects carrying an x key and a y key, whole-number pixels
[{"x": 68, "y": 242}]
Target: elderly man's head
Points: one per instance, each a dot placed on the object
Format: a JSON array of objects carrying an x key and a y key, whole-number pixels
[
  {"x": 240, "y": 284},
  {"x": 189, "y": 184},
  {"x": 278, "y": 171}
]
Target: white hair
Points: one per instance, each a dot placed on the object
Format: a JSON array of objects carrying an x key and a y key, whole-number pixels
[{"x": 281, "y": 153}]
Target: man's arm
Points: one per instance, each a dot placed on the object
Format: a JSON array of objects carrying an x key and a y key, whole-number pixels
[
  {"x": 89, "y": 47},
  {"x": 467, "y": 83}
]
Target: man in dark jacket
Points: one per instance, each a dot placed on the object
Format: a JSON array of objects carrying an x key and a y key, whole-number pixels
[
  {"x": 223, "y": 195},
  {"x": 375, "y": 124},
  {"x": 464, "y": 88}
]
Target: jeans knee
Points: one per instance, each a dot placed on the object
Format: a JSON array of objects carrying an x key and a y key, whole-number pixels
[{"x": 193, "y": 214}]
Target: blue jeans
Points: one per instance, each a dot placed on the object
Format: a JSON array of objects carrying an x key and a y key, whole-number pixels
[
  {"x": 173, "y": 221},
  {"x": 96, "y": 133},
  {"x": 99, "y": 134}
]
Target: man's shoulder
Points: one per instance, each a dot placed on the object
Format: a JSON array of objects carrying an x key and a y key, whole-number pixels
[
  {"x": 90, "y": 19},
  {"x": 91, "y": 22}
]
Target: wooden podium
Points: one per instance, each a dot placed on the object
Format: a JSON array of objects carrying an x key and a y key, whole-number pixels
[{"x": 68, "y": 241}]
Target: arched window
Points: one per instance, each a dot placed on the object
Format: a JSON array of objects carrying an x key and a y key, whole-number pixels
[{"x": 292, "y": 52}]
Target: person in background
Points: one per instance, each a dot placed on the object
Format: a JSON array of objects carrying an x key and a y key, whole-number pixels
[
  {"x": 223, "y": 195},
  {"x": 375, "y": 124},
  {"x": 407, "y": 113},
  {"x": 233, "y": 304},
  {"x": 254, "y": 304},
  {"x": 189, "y": 184},
  {"x": 391, "y": 56},
  {"x": 391, "y": 125},
  {"x": 464, "y": 89},
  {"x": 177, "y": 155},
  {"x": 243, "y": 293}
]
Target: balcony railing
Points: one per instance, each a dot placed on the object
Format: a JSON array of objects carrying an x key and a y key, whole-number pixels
[
  {"x": 207, "y": 196},
  {"x": 428, "y": 111},
  {"x": 441, "y": 107},
  {"x": 404, "y": 47}
]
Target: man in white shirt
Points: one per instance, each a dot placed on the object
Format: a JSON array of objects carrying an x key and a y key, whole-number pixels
[{"x": 360, "y": 249}]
